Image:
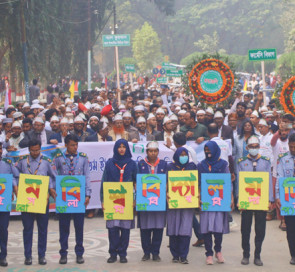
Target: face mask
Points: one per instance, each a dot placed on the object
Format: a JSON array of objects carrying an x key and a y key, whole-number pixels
[
  {"x": 183, "y": 159},
  {"x": 254, "y": 152}
]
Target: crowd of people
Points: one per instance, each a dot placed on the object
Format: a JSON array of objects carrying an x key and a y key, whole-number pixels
[{"x": 247, "y": 134}]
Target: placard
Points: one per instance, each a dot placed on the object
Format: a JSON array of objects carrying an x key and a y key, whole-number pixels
[
  {"x": 70, "y": 192},
  {"x": 32, "y": 193},
  {"x": 287, "y": 195},
  {"x": 151, "y": 192},
  {"x": 253, "y": 190},
  {"x": 183, "y": 189},
  {"x": 5, "y": 192},
  {"x": 216, "y": 192},
  {"x": 118, "y": 200}
]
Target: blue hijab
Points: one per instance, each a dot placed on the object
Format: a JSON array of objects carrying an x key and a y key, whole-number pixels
[
  {"x": 216, "y": 164},
  {"x": 177, "y": 155},
  {"x": 121, "y": 160}
]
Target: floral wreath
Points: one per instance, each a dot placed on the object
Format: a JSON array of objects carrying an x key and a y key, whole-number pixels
[
  {"x": 224, "y": 73},
  {"x": 288, "y": 96}
]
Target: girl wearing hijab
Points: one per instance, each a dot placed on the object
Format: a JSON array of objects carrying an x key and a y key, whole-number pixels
[
  {"x": 180, "y": 221},
  {"x": 213, "y": 223},
  {"x": 151, "y": 224},
  {"x": 120, "y": 168}
]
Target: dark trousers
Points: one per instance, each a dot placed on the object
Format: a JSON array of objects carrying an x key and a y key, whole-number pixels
[
  {"x": 290, "y": 223},
  {"x": 196, "y": 227},
  {"x": 4, "y": 221},
  {"x": 42, "y": 224},
  {"x": 64, "y": 232},
  {"x": 260, "y": 223},
  {"x": 208, "y": 242},
  {"x": 151, "y": 240},
  {"x": 119, "y": 241},
  {"x": 179, "y": 246}
]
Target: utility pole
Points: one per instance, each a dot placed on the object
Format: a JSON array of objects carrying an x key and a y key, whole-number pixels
[
  {"x": 89, "y": 45},
  {"x": 24, "y": 45},
  {"x": 117, "y": 57}
]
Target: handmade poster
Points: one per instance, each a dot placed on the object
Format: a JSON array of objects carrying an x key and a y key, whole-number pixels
[
  {"x": 5, "y": 192},
  {"x": 287, "y": 97},
  {"x": 253, "y": 190},
  {"x": 151, "y": 192},
  {"x": 118, "y": 200},
  {"x": 183, "y": 189},
  {"x": 32, "y": 193},
  {"x": 216, "y": 192},
  {"x": 70, "y": 192},
  {"x": 287, "y": 195}
]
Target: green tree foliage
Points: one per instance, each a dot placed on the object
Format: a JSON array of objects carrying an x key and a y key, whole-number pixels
[
  {"x": 209, "y": 44},
  {"x": 146, "y": 47}
]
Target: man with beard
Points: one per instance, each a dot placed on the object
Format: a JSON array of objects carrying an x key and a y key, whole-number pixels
[
  {"x": 101, "y": 134},
  {"x": 93, "y": 123},
  {"x": 142, "y": 134},
  {"x": 241, "y": 111},
  {"x": 152, "y": 124},
  {"x": 201, "y": 116},
  {"x": 16, "y": 136},
  {"x": 209, "y": 115},
  {"x": 160, "y": 114},
  {"x": 108, "y": 112},
  {"x": 59, "y": 137},
  {"x": 79, "y": 129},
  {"x": 127, "y": 119},
  {"x": 224, "y": 132},
  {"x": 139, "y": 111},
  {"x": 55, "y": 124},
  {"x": 27, "y": 125},
  {"x": 118, "y": 131},
  {"x": 181, "y": 114}
]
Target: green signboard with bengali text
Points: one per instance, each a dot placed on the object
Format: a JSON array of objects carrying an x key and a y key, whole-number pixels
[{"x": 262, "y": 54}]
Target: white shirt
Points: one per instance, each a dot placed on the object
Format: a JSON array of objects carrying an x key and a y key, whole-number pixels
[
  {"x": 265, "y": 146},
  {"x": 142, "y": 137},
  {"x": 43, "y": 137},
  {"x": 224, "y": 148},
  {"x": 280, "y": 148}
]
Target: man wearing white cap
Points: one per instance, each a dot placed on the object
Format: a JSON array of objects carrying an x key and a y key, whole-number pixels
[
  {"x": 209, "y": 115},
  {"x": 26, "y": 107},
  {"x": 118, "y": 131},
  {"x": 127, "y": 119},
  {"x": 254, "y": 162},
  {"x": 181, "y": 115},
  {"x": 93, "y": 123},
  {"x": 201, "y": 116},
  {"x": 16, "y": 136},
  {"x": 224, "y": 132},
  {"x": 55, "y": 124},
  {"x": 174, "y": 120},
  {"x": 160, "y": 114},
  {"x": 167, "y": 134},
  {"x": 142, "y": 134},
  {"x": 265, "y": 138},
  {"x": 79, "y": 129},
  {"x": 152, "y": 124},
  {"x": 38, "y": 133},
  {"x": 139, "y": 111},
  {"x": 254, "y": 118},
  {"x": 64, "y": 131}
]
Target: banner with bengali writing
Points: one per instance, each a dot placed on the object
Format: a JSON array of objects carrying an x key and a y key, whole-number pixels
[
  {"x": 287, "y": 195},
  {"x": 5, "y": 192}
]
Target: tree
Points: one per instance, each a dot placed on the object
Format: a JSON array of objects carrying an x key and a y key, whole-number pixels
[
  {"x": 146, "y": 47},
  {"x": 209, "y": 44}
]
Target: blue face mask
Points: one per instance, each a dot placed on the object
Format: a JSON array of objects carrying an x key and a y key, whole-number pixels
[{"x": 183, "y": 159}]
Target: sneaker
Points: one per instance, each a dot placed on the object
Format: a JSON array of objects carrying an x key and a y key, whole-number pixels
[
  {"x": 199, "y": 243},
  {"x": 219, "y": 257},
  {"x": 209, "y": 260},
  {"x": 156, "y": 258},
  {"x": 183, "y": 261},
  {"x": 145, "y": 257},
  {"x": 112, "y": 259},
  {"x": 258, "y": 262},
  {"x": 245, "y": 261},
  {"x": 175, "y": 260}
]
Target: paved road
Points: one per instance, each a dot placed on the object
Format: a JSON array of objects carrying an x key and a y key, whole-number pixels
[{"x": 275, "y": 253}]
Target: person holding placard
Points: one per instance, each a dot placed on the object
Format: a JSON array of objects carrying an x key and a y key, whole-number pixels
[
  {"x": 180, "y": 221},
  {"x": 286, "y": 169},
  {"x": 72, "y": 163},
  {"x": 213, "y": 223},
  {"x": 6, "y": 167},
  {"x": 151, "y": 224},
  {"x": 36, "y": 164},
  {"x": 120, "y": 168},
  {"x": 254, "y": 162}
]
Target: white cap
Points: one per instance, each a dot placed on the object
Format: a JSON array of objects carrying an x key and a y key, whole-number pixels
[
  {"x": 68, "y": 109},
  {"x": 255, "y": 113},
  {"x": 104, "y": 119},
  {"x": 78, "y": 119},
  {"x": 210, "y": 110},
  {"x": 37, "y": 106},
  {"x": 118, "y": 117},
  {"x": 127, "y": 114},
  {"x": 182, "y": 112},
  {"x": 165, "y": 120},
  {"x": 160, "y": 110},
  {"x": 177, "y": 103},
  {"x": 147, "y": 102},
  {"x": 201, "y": 112},
  {"x": 253, "y": 140},
  {"x": 87, "y": 105},
  {"x": 64, "y": 120},
  {"x": 68, "y": 100},
  {"x": 152, "y": 145},
  {"x": 26, "y": 105},
  {"x": 38, "y": 120},
  {"x": 35, "y": 101},
  {"x": 139, "y": 108},
  {"x": 17, "y": 114},
  {"x": 82, "y": 115},
  {"x": 94, "y": 117},
  {"x": 141, "y": 119},
  {"x": 16, "y": 124},
  {"x": 71, "y": 121},
  {"x": 122, "y": 107},
  {"x": 98, "y": 107},
  {"x": 218, "y": 114},
  {"x": 43, "y": 101},
  {"x": 173, "y": 117},
  {"x": 263, "y": 108},
  {"x": 54, "y": 118},
  {"x": 151, "y": 115},
  {"x": 263, "y": 122},
  {"x": 178, "y": 108}
]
